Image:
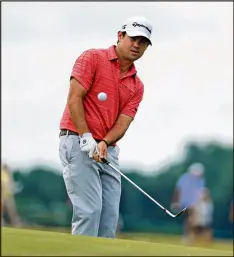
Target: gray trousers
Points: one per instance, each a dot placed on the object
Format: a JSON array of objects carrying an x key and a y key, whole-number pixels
[{"x": 93, "y": 188}]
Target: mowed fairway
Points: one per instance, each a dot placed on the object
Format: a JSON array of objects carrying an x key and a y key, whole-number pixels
[{"x": 24, "y": 242}]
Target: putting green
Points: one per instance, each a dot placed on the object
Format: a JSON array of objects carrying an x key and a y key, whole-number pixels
[{"x": 24, "y": 242}]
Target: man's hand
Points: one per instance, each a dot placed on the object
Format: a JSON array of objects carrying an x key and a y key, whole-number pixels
[
  {"x": 88, "y": 144},
  {"x": 101, "y": 151}
]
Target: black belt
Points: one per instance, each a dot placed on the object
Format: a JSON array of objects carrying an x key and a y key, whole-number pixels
[
  {"x": 67, "y": 132},
  {"x": 64, "y": 132}
]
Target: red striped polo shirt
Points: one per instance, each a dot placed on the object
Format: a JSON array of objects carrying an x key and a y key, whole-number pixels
[{"x": 98, "y": 70}]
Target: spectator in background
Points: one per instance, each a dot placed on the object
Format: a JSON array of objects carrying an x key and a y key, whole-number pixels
[
  {"x": 201, "y": 218},
  {"x": 187, "y": 193},
  {"x": 8, "y": 201}
]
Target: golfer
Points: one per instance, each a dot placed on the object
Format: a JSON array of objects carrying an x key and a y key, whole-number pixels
[{"x": 90, "y": 127}]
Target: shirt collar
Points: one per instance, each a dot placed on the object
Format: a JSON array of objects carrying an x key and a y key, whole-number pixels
[
  {"x": 113, "y": 56},
  {"x": 112, "y": 53}
]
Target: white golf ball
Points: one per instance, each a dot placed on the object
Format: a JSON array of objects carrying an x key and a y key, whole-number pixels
[{"x": 102, "y": 96}]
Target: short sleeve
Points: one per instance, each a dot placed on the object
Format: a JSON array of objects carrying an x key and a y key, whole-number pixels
[
  {"x": 131, "y": 107},
  {"x": 84, "y": 69}
]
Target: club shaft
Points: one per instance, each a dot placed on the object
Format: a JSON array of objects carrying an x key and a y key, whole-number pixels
[{"x": 152, "y": 199}]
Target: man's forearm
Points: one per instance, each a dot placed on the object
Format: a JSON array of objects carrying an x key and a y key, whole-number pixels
[
  {"x": 115, "y": 134},
  {"x": 76, "y": 109},
  {"x": 175, "y": 197}
]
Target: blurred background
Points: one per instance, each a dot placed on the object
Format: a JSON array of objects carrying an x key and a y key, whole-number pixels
[{"x": 186, "y": 116}]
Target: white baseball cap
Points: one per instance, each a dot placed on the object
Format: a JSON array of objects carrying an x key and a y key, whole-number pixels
[{"x": 138, "y": 26}]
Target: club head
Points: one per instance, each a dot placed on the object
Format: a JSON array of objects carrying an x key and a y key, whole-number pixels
[{"x": 181, "y": 212}]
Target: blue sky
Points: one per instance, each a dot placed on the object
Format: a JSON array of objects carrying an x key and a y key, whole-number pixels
[{"x": 188, "y": 75}]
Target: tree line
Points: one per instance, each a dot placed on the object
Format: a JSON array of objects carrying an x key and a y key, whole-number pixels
[{"x": 43, "y": 199}]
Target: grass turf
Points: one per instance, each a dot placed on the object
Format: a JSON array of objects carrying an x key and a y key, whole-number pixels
[{"x": 25, "y": 242}]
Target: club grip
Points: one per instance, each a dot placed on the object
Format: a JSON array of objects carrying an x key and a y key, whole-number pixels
[{"x": 105, "y": 160}]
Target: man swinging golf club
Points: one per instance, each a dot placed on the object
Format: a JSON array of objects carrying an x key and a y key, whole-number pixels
[{"x": 91, "y": 126}]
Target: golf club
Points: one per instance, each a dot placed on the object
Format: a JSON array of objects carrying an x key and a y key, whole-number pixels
[{"x": 129, "y": 180}]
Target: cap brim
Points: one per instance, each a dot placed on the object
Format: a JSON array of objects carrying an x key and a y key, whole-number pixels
[{"x": 135, "y": 33}]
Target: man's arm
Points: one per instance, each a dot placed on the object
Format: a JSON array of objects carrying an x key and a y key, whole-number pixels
[
  {"x": 175, "y": 197},
  {"x": 76, "y": 107},
  {"x": 81, "y": 80},
  {"x": 119, "y": 129},
  {"x": 116, "y": 133},
  {"x": 121, "y": 125},
  {"x": 125, "y": 117},
  {"x": 175, "y": 205}
]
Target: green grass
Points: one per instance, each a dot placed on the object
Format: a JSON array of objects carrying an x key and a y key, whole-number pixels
[
  {"x": 24, "y": 242},
  {"x": 226, "y": 245}
]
